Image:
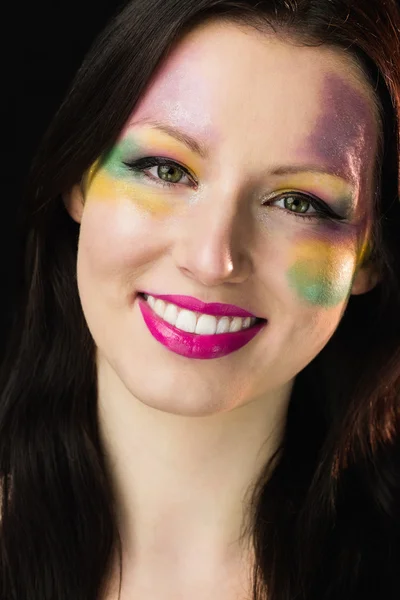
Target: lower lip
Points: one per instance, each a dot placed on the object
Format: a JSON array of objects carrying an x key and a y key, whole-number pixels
[{"x": 193, "y": 345}]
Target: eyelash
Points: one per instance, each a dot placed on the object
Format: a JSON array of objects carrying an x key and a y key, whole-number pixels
[{"x": 323, "y": 212}]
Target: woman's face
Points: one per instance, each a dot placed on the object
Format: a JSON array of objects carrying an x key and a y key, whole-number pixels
[{"x": 286, "y": 134}]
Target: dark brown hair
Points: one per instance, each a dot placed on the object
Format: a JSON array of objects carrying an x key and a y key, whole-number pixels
[{"x": 324, "y": 515}]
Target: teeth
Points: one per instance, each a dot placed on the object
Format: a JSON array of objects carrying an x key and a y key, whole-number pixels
[{"x": 193, "y": 322}]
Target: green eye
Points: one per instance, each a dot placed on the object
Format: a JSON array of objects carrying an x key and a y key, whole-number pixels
[
  {"x": 168, "y": 171},
  {"x": 297, "y": 202}
]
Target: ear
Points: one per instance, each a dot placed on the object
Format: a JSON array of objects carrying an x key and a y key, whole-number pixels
[
  {"x": 74, "y": 202},
  {"x": 366, "y": 278}
]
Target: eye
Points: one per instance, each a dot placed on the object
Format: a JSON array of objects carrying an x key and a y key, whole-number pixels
[
  {"x": 169, "y": 173},
  {"x": 297, "y": 204}
]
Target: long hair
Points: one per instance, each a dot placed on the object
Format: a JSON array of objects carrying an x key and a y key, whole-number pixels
[{"x": 324, "y": 514}]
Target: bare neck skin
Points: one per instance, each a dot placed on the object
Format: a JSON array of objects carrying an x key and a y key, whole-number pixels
[{"x": 183, "y": 483}]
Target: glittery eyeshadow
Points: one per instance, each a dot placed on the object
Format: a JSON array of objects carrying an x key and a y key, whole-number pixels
[{"x": 343, "y": 127}]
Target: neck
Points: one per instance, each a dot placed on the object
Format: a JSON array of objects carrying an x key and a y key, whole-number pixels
[{"x": 181, "y": 482}]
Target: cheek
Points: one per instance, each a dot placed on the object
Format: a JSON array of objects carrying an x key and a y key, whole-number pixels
[
  {"x": 120, "y": 231},
  {"x": 106, "y": 189},
  {"x": 322, "y": 272},
  {"x": 102, "y": 247}
]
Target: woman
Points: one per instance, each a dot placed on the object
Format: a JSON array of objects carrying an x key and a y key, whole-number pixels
[{"x": 243, "y": 153}]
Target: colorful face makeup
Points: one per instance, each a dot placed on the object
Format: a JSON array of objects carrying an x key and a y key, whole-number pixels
[
  {"x": 343, "y": 137},
  {"x": 171, "y": 141},
  {"x": 111, "y": 178},
  {"x": 322, "y": 273},
  {"x": 335, "y": 191},
  {"x": 344, "y": 133}
]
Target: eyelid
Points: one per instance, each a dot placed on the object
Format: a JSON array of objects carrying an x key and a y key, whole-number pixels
[
  {"x": 141, "y": 164},
  {"x": 323, "y": 206},
  {"x": 161, "y": 160}
]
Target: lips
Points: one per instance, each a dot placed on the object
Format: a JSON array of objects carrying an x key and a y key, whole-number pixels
[
  {"x": 192, "y": 345},
  {"x": 195, "y": 305}
]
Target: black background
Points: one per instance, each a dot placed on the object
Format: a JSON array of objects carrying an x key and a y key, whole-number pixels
[{"x": 44, "y": 43}]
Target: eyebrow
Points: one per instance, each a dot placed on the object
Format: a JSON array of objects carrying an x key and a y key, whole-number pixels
[
  {"x": 193, "y": 144},
  {"x": 203, "y": 151},
  {"x": 313, "y": 169}
]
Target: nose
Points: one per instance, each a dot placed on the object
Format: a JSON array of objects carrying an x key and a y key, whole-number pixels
[{"x": 213, "y": 244}]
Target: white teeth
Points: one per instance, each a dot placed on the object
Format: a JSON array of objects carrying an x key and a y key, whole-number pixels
[
  {"x": 192, "y": 322},
  {"x": 186, "y": 321},
  {"x": 223, "y": 325}
]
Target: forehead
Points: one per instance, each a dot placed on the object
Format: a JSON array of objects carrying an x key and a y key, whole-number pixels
[{"x": 242, "y": 92}]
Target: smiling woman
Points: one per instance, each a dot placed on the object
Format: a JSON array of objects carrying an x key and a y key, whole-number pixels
[{"x": 201, "y": 395}]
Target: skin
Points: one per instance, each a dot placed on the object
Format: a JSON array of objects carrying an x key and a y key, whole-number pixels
[{"x": 185, "y": 438}]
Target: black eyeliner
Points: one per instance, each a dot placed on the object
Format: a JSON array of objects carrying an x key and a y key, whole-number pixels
[{"x": 153, "y": 161}]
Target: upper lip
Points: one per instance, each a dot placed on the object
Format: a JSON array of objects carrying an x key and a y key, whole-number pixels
[{"x": 215, "y": 308}]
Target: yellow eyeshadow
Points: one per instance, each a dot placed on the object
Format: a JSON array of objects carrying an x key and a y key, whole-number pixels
[
  {"x": 107, "y": 189},
  {"x": 336, "y": 185},
  {"x": 151, "y": 139}
]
